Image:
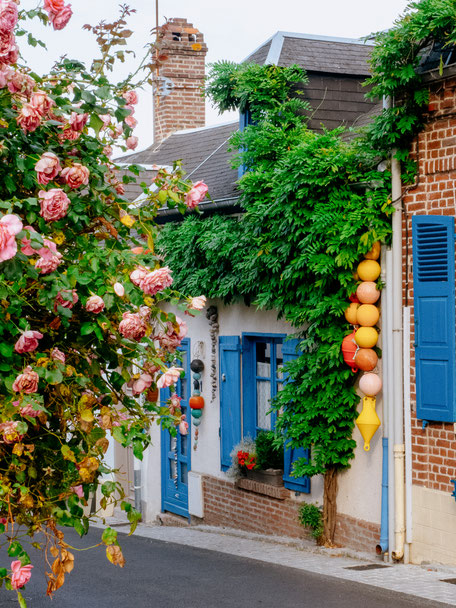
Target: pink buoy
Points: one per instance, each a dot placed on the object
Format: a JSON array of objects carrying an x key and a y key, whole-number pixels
[{"x": 370, "y": 384}]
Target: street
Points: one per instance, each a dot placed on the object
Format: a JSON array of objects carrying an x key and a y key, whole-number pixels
[{"x": 167, "y": 575}]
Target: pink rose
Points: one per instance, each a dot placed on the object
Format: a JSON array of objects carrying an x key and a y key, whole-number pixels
[
  {"x": 49, "y": 250},
  {"x": 8, "y": 15},
  {"x": 145, "y": 312},
  {"x": 20, "y": 83},
  {"x": 9, "y": 432},
  {"x": 41, "y": 102},
  {"x": 173, "y": 337},
  {"x": 10, "y": 225},
  {"x": 27, "y": 382},
  {"x": 197, "y": 303},
  {"x": 57, "y": 355},
  {"x": 26, "y": 243},
  {"x": 132, "y": 326},
  {"x": 196, "y": 195},
  {"x": 26, "y": 410},
  {"x": 175, "y": 400},
  {"x": 106, "y": 118},
  {"x": 183, "y": 426},
  {"x": 131, "y": 97},
  {"x": 171, "y": 376},
  {"x": 53, "y": 6},
  {"x": 68, "y": 134},
  {"x": 29, "y": 119},
  {"x": 66, "y": 298},
  {"x": 78, "y": 491},
  {"x": 137, "y": 275},
  {"x": 59, "y": 20},
  {"x": 95, "y": 304},
  {"x": 107, "y": 150},
  {"x": 50, "y": 261},
  {"x": 132, "y": 142},
  {"x": 76, "y": 176},
  {"x": 156, "y": 281},
  {"x": 119, "y": 188},
  {"x": 119, "y": 289},
  {"x": 47, "y": 168},
  {"x": 54, "y": 204},
  {"x": 141, "y": 384},
  {"x": 131, "y": 121},
  {"x": 21, "y": 574},
  {"x": 28, "y": 342},
  {"x": 7, "y": 45},
  {"x": 78, "y": 121},
  {"x": 5, "y": 74}
]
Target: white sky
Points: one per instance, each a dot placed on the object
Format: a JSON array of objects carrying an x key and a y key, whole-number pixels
[{"x": 232, "y": 30}]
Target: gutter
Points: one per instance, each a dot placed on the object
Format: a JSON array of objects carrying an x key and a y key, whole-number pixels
[{"x": 224, "y": 206}]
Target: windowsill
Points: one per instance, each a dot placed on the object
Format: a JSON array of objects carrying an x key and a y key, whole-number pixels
[{"x": 280, "y": 493}]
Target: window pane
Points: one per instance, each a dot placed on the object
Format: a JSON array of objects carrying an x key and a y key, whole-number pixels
[
  {"x": 172, "y": 443},
  {"x": 172, "y": 469},
  {"x": 184, "y": 473},
  {"x": 263, "y": 406},
  {"x": 279, "y": 361},
  {"x": 183, "y": 445},
  {"x": 263, "y": 359}
]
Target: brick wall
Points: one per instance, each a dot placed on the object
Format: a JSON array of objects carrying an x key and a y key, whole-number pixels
[
  {"x": 433, "y": 448},
  {"x": 185, "y": 51},
  {"x": 233, "y": 507}
]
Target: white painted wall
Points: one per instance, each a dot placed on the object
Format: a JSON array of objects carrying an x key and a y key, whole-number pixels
[{"x": 359, "y": 487}]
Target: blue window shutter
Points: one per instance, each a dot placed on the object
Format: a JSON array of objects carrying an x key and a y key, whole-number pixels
[
  {"x": 434, "y": 302},
  {"x": 298, "y": 484},
  {"x": 248, "y": 387},
  {"x": 230, "y": 396}
]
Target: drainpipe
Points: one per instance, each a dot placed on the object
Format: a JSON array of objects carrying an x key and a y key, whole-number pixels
[
  {"x": 382, "y": 547},
  {"x": 407, "y": 437},
  {"x": 398, "y": 436},
  {"x": 388, "y": 394}
]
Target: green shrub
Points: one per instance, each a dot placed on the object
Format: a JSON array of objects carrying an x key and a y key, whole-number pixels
[
  {"x": 269, "y": 452},
  {"x": 311, "y": 517}
]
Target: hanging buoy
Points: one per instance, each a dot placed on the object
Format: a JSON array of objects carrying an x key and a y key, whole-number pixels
[
  {"x": 349, "y": 349},
  {"x": 367, "y": 315},
  {"x": 350, "y": 313},
  {"x": 367, "y": 292},
  {"x": 368, "y": 270},
  {"x": 368, "y": 421}
]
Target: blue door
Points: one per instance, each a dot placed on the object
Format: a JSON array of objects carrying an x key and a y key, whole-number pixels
[{"x": 175, "y": 451}]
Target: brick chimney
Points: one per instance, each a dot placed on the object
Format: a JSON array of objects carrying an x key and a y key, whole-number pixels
[{"x": 178, "y": 100}]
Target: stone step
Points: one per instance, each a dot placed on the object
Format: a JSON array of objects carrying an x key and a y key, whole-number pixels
[{"x": 170, "y": 519}]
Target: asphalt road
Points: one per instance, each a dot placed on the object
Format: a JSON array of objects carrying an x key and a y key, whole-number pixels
[{"x": 167, "y": 575}]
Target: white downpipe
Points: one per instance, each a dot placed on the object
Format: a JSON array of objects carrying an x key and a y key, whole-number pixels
[
  {"x": 388, "y": 373},
  {"x": 398, "y": 437},
  {"x": 407, "y": 438}
]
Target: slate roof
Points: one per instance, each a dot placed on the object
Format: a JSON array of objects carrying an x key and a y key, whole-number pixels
[
  {"x": 315, "y": 53},
  {"x": 204, "y": 155}
]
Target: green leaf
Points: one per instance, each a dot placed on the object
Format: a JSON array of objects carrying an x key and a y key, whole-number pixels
[
  {"x": 21, "y": 600},
  {"x": 96, "y": 123},
  {"x": 87, "y": 328},
  {"x": 15, "y": 549},
  {"x": 109, "y": 536}
]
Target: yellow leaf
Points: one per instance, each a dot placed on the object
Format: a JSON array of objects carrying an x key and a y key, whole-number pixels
[
  {"x": 128, "y": 220},
  {"x": 87, "y": 416},
  {"x": 115, "y": 556}
]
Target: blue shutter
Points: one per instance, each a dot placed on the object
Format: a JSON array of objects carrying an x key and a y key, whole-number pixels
[
  {"x": 298, "y": 484},
  {"x": 434, "y": 300},
  {"x": 230, "y": 396}
]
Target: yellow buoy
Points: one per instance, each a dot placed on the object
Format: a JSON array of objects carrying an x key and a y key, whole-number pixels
[
  {"x": 350, "y": 313},
  {"x": 368, "y": 270},
  {"x": 367, "y": 315},
  {"x": 368, "y": 421},
  {"x": 366, "y": 337},
  {"x": 374, "y": 253}
]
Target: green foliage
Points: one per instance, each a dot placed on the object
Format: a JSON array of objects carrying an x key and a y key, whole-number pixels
[
  {"x": 311, "y": 517},
  {"x": 314, "y": 204},
  {"x": 395, "y": 59},
  {"x": 269, "y": 453}
]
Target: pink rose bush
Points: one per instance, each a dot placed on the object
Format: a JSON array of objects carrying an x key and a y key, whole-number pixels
[
  {"x": 119, "y": 289},
  {"x": 196, "y": 195},
  {"x": 66, "y": 298},
  {"x": 132, "y": 142},
  {"x": 47, "y": 168},
  {"x": 197, "y": 303},
  {"x": 59, "y": 13},
  {"x": 29, "y": 118},
  {"x": 28, "y": 342},
  {"x": 183, "y": 426},
  {"x": 57, "y": 355},
  {"x": 27, "y": 382},
  {"x": 26, "y": 410},
  {"x": 10, "y": 225},
  {"x": 131, "y": 97},
  {"x": 9, "y": 432},
  {"x": 141, "y": 384},
  {"x": 21, "y": 574},
  {"x": 174, "y": 334},
  {"x": 54, "y": 204}
]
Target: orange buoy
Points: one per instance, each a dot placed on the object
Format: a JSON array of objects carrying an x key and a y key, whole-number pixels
[
  {"x": 366, "y": 337},
  {"x": 349, "y": 349},
  {"x": 367, "y": 292},
  {"x": 368, "y": 270},
  {"x": 350, "y": 313},
  {"x": 368, "y": 315},
  {"x": 366, "y": 359},
  {"x": 374, "y": 252}
]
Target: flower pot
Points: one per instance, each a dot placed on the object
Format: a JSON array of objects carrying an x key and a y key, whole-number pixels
[{"x": 273, "y": 477}]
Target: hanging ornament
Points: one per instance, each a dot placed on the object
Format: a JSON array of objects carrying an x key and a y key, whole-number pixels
[
  {"x": 349, "y": 349},
  {"x": 368, "y": 421},
  {"x": 196, "y": 402}
]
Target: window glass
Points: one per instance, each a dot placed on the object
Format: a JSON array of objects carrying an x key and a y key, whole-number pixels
[
  {"x": 183, "y": 381},
  {"x": 263, "y": 405},
  {"x": 263, "y": 359},
  {"x": 184, "y": 473},
  {"x": 279, "y": 362},
  {"x": 172, "y": 468},
  {"x": 183, "y": 443}
]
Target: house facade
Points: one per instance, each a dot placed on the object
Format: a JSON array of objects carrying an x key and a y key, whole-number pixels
[{"x": 241, "y": 348}]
